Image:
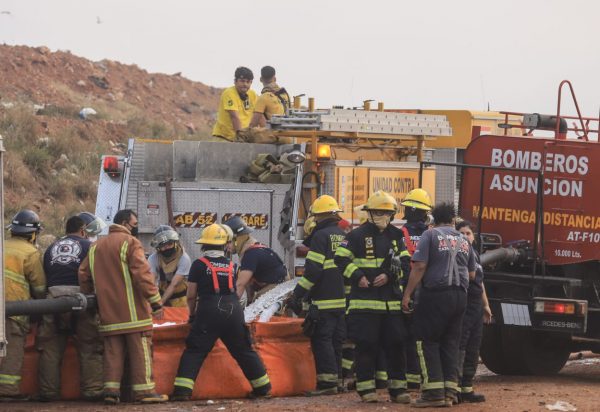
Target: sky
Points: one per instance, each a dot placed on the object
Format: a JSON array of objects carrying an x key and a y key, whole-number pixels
[{"x": 439, "y": 54}]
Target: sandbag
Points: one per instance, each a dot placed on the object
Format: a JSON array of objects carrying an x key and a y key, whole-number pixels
[{"x": 285, "y": 352}]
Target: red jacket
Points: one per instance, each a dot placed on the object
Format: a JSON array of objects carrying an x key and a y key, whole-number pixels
[{"x": 117, "y": 270}]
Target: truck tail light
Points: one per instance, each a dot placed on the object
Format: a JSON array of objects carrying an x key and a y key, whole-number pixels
[
  {"x": 111, "y": 166},
  {"x": 558, "y": 308}
]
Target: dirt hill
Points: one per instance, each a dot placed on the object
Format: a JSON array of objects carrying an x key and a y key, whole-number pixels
[{"x": 52, "y": 154}]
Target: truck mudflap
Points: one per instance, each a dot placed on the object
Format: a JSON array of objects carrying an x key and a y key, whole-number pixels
[{"x": 543, "y": 314}]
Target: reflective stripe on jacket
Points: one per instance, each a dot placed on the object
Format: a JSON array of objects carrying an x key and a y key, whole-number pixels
[
  {"x": 116, "y": 268},
  {"x": 366, "y": 252},
  {"x": 322, "y": 280}
]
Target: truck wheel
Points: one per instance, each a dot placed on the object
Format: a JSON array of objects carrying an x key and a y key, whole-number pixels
[
  {"x": 545, "y": 353},
  {"x": 500, "y": 350}
]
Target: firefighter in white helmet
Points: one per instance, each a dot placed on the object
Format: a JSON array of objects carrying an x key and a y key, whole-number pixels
[
  {"x": 170, "y": 265},
  {"x": 370, "y": 257},
  {"x": 323, "y": 286}
]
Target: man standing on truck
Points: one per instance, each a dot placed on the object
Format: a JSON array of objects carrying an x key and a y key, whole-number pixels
[
  {"x": 323, "y": 283},
  {"x": 61, "y": 263},
  {"x": 370, "y": 257},
  {"x": 117, "y": 271},
  {"x": 23, "y": 276},
  {"x": 273, "y": 99},
  {"x": 443, "y": 263},
  {"x": 170, "y": 266},
  {"x": 236, "y": 106},
  {"x": 261, "y": 269},
  {"x": 417, "y": 204}
]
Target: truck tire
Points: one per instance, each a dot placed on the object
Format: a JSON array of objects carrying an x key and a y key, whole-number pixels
[
  {"x": 499, "y": 351},
  {"x": 545, "y": 353}
]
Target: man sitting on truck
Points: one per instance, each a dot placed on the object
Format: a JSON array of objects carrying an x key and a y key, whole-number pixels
[
  {"x": 236, "y": 106},
  {"x": 261, "y": 269},
  {"x": 273, "y": 99}
]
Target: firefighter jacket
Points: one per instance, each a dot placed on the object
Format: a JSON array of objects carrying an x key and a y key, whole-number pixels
[
  {"x": 117, "y": 270},
  {"x": 368, "y": 252},
  {"x": 23, "y": 273},
  {"x": 322, "y": 280}
]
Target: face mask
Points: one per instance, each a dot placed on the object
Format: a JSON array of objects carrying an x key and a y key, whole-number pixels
[
  {"x": 381, "y": 221},
  {"x": 134, "y": 231},
  {"x": 168, "y": 252}
]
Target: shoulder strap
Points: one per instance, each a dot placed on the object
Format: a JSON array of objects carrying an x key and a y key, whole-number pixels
[
  {"x": 410, "y": 245},
  {"x": 214, "y": 270}
]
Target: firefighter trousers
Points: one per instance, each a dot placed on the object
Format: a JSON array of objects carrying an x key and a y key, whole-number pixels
[
  {"x": 11, "y": 365},
  {"x": 373, "y": 333},
  {"x": 137, "y": 347},
  {"x": 51, "y": 342},
  {"x": 413, "y": 368},
  {"x": 470, "y": 341},
  {"x": 220, "y": 316},
  {"x": 326, "y": 343},
  {"x": 438, "y": 320}
]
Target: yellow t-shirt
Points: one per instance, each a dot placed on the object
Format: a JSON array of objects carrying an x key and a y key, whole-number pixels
[
  {"x": 230, "y": 100},
  {"x": 269, "y": 104}
]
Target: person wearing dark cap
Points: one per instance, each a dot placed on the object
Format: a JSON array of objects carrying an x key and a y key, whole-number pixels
[
  {"x": 261, "y": 269},
  {"x": 273, "y": 99},
  {"x": 236, "y": 106}
]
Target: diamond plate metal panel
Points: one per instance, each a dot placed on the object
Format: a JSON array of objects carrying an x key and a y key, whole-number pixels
[{"x": 445, "y": 176}]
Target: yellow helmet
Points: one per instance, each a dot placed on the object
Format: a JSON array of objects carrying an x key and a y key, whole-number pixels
[
  {"x": 381, "y": 200},
  {"x": 325, "y": 204},
  {"x": 417, "y": 198},
  {"x": 229, "y": 232},
  {"x": 213, "y": 235}
]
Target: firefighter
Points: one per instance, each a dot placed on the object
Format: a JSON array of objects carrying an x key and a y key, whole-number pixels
[
  {"x": 23, "y": 279},
  {"x": 170, "y": 266},
  {"x": 478, "y": 312},
  {"x": 215, "y": 313},
  {"x": 417, "y": 204},
  {"x": 442, "y": 264},
  {"x": 261, "y": 269},
  {"x": 273, "y": 99},
  {"x": 323, "y": 284},
  {"x": 117, "y": 271},
  {"x": 236, "y": 106},
  {"x": 61, "y": 264},
  {"x": 370, "y": 257}
]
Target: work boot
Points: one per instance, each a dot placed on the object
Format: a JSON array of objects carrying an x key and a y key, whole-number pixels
[
  {"x": 472, "y": 397},
  {"x": 413, "y": 387},
  {"x": 14, "y": 398},
  {"x": 152, "y": 398},
  {"x": 323, "y": 391},
  {"x": 111, "y": 398},
  {"x": 40, "y": 397},
  {"x": 400, "y": 398},
  {"x": 451, "y": 399},
  {"x": 428, "y": 403},
  {"x": 180, "y": 396},
  {"x": 260, "y": 395},
  {"x": 370, "y": 397}
]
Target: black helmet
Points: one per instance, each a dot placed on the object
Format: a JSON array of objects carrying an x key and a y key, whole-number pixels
[
  {"x": 93, "y": 224},
  {"x": 238, "y": 226},
  {"x": 25, "y": 221}
]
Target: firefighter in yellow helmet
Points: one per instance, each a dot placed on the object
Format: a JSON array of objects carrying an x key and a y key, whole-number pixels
[
  {"x": 417, "y": 205},
  {"x": 216, "y": 313},
  {"x": 23, "y": 277},
  {"x": 370, "y": 257},
  {"x": 323, "y": 286}
]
